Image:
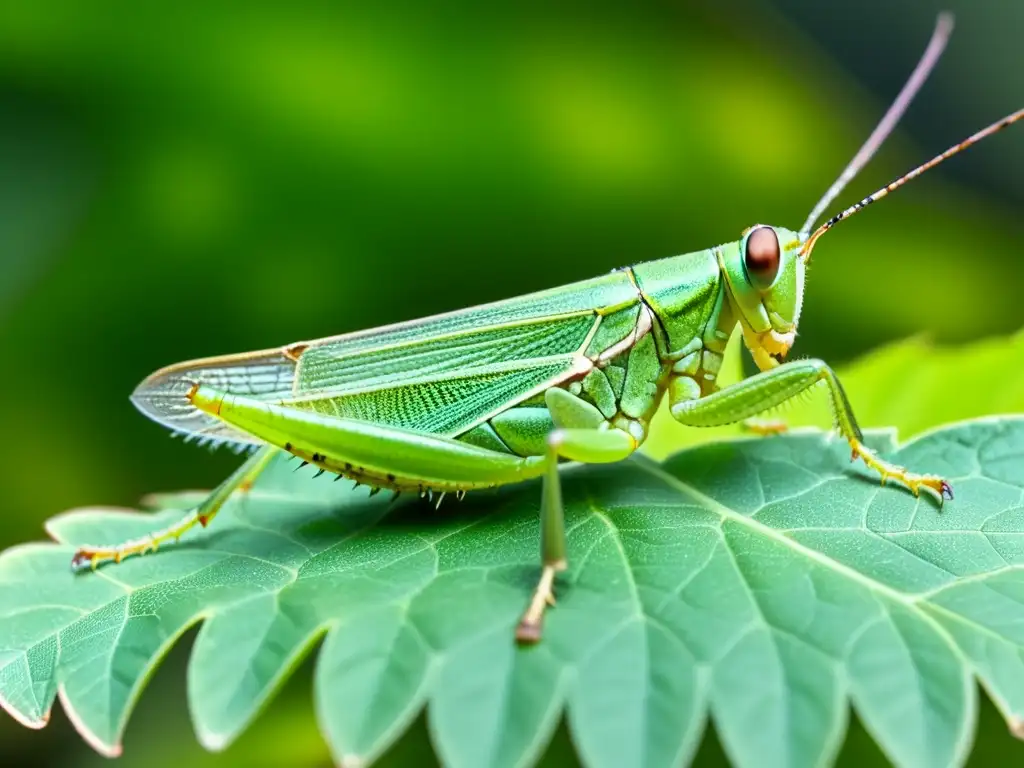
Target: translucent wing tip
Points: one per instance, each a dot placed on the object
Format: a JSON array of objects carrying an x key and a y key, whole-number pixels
[{"x": 162, "y": 396}]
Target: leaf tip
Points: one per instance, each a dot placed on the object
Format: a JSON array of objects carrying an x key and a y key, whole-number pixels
[
  {"x": 105, "y": 748},
  {"x": 213, "y": 741},
  {"x": 52, "y": 527},
  {"x": 36, "y": 723}
]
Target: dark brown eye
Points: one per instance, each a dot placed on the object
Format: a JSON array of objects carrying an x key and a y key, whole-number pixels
[{"x": 762, "y": 257}]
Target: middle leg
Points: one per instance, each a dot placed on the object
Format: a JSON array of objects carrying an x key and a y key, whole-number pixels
[{"x": 592, "y": 446}]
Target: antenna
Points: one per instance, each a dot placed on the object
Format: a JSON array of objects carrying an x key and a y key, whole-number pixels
[
  {"x": 973, "y": 139},
  {"x": 943, "y": 29}
]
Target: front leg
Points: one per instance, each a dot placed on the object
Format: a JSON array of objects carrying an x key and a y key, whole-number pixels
[{"x": 768, "y": 389}]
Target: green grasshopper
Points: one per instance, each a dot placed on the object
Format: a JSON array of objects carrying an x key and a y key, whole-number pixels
[{"x": 503, "y": 392}]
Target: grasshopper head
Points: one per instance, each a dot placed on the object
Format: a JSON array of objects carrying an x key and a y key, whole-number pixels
[{"x": 764, "y": 274}]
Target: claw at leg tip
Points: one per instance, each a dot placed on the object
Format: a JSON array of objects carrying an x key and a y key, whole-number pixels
[
  {"x": 83, "y": 559},
  {"x": 527, "y": 633}
]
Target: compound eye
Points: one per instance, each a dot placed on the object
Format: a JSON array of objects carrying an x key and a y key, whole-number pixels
[{"x": 762, "y": 257}]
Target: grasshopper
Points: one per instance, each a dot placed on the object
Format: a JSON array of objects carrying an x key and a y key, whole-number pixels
[{"x": 504, "y": 392}]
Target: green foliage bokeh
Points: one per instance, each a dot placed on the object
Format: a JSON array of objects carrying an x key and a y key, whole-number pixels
[{"x": 203, "y": 179}]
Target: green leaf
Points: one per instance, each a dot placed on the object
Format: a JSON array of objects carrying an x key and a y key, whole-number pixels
[{"x": 763, "y": 583}]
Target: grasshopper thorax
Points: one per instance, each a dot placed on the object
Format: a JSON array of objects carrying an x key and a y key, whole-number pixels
[{"x": 764, "y": 278}]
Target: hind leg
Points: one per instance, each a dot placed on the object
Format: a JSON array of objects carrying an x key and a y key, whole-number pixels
[
  {"x": 400, "y": 458},
  {"x": 240, "y": 480}
]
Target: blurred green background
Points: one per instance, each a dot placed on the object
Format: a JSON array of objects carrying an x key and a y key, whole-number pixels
[{"x": 208, "y": 178}]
